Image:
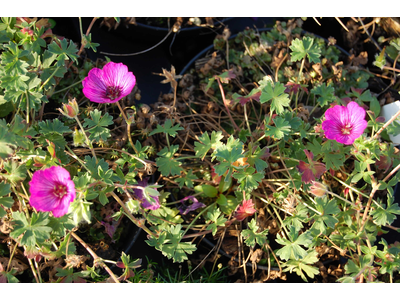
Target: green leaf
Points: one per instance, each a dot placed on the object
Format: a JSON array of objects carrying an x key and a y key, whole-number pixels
[
  {"x": 61, "y": 225},
  {"x": 280, "y": 129},
  {"x": 251, "y": 235},
  {"x": 186, "y": 180},
  {"x": 326, "y": 93},
  {"x": 277, "y": 94},
  {"x": 208, "y": 190},
  {"x": 64, "y": 51},
  {"x": 6, "y": 202},
  {"x": 94, "y": 165},
  {"x": 328, "y": 210},
  {"x": 227, "y": 155},
  {"x": 80, "y": 211},
  {"x": 53, "y": 126},
  {"x": 292, "y": 249},
  {"x": 382, "y": 215},
  {"x": 169, "y": 243},
  {"x": 216, "y": 219},
  {"x": 380, "y": 59},
  {"x": 227, "y": 204},
  {"x": 14, "y": 82},
  {"x": 103, "y": 198},
  {"x": 97, "y": 125},
  {"x": 303, "y": 265},
  {"x": 208, "y": 143},
  {"x": 249, "y": 180},
  {"x": 15, "y": 172},
  {"x": 256, "y": 159},
  {"x": 167, "y": 128},
  {"x": 34, "y": 231},
  {"x": 166, "y": 163},
  {"x": 305, "y": 47}
]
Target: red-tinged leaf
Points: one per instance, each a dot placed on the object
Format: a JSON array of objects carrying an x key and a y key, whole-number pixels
[
  {"x": 294, "y": 87},
  {"x": 245, "y": 210},
  {"x": 244, "y": 99},
  {"x": 226, "y": 76},
  {"x": 384, "y": 162},
  {"x": 307, "y": 175},
  {"x": 312, "y": 170}
]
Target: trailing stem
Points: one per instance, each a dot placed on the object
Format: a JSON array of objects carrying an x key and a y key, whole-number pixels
[
  {"x": 226, "y": 107},
  {"x": 128, "y": 127},
  {"x": 95, "y": 257}
]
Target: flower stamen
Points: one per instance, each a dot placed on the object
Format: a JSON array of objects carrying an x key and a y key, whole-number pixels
[
  {"x": 113, "y": 92},
  {"x": 346, "y": 129},
  {"x": 60, "y": 190}
]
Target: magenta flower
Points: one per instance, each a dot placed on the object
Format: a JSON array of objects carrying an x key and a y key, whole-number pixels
[
  {"x": 52, "y": 190},
  {"x": 344, "y": 123},
  {"x": 153, "y": 204},
  {"x": 110, "y": 84}
]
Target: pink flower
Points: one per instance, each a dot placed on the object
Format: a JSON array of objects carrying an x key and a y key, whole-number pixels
[
  {"x": 110, "y": 84},
  {"x": 311, "y": 170},
  {"x": 52, "y": 190},
  {"x": 344, "y": 123},
  {"x": 245, "y": 210},
  {"x": 153, "y": 204}
]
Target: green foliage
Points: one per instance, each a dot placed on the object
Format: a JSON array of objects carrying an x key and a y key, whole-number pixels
[
  {"x": 169, "y": 243},
  {"x": 63, "y": 51},
  {"x": 326, "y": 220},
  {"x": 167, "y": 128},
  {"x": 5, "y": 202},
  {"x": 34, "y": 230},
  {"x": 227, "y": 155},
  {"x": 275, "y": 93},
  {"x": 252, "y": 236},
  {"x": 97, "y": 125},
  {"x": 208, "y": 143},
  {"x": 305, "y": 47},
  {"x": 216, "y": 219},
  {"x": 166, "y": 163},
  {"x": 292, "y": 246},
  {"x": 281, "y": 129},
  {"x": 249, "y": 180},
  {"x": 385, "y": 215},
  {"x": 326, "y": 94},
  {"x": 303, "y": 265}
]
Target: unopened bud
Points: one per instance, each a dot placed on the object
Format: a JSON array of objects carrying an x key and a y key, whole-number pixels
[
  {"x": 70, "y": 110},
  {"x": 318, "y": 189}
]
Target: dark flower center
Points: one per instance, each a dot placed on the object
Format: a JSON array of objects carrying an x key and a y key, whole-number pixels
[
  {"x": 113, "y": 92},
  {"x": 347, "y": 129},
  {"x": 60, "y": 190}
]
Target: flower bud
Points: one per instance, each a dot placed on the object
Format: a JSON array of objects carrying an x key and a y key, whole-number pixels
[
  {"x": 318, "y": 189},
  {"x": 79, "y": 138},
  {"x": 70, "y": 110}
]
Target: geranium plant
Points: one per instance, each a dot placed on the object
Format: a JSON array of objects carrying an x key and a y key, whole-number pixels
[{"x": 273, "y": 141}]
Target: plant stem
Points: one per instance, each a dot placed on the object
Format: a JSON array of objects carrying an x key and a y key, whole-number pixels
[
  {"x": 90, "y": 145},
  {"x": 33, "y": 271},
  {"x": 298, "y": 79},
  {"x": 226, "y": 106},
  {"x": 128, "y": 127},
  {"x": 95, "y": 257},
  {"x": 131, "y": 217},
  {"x": 386, "y": 125},
  {"x": 68, "y": 87}
]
